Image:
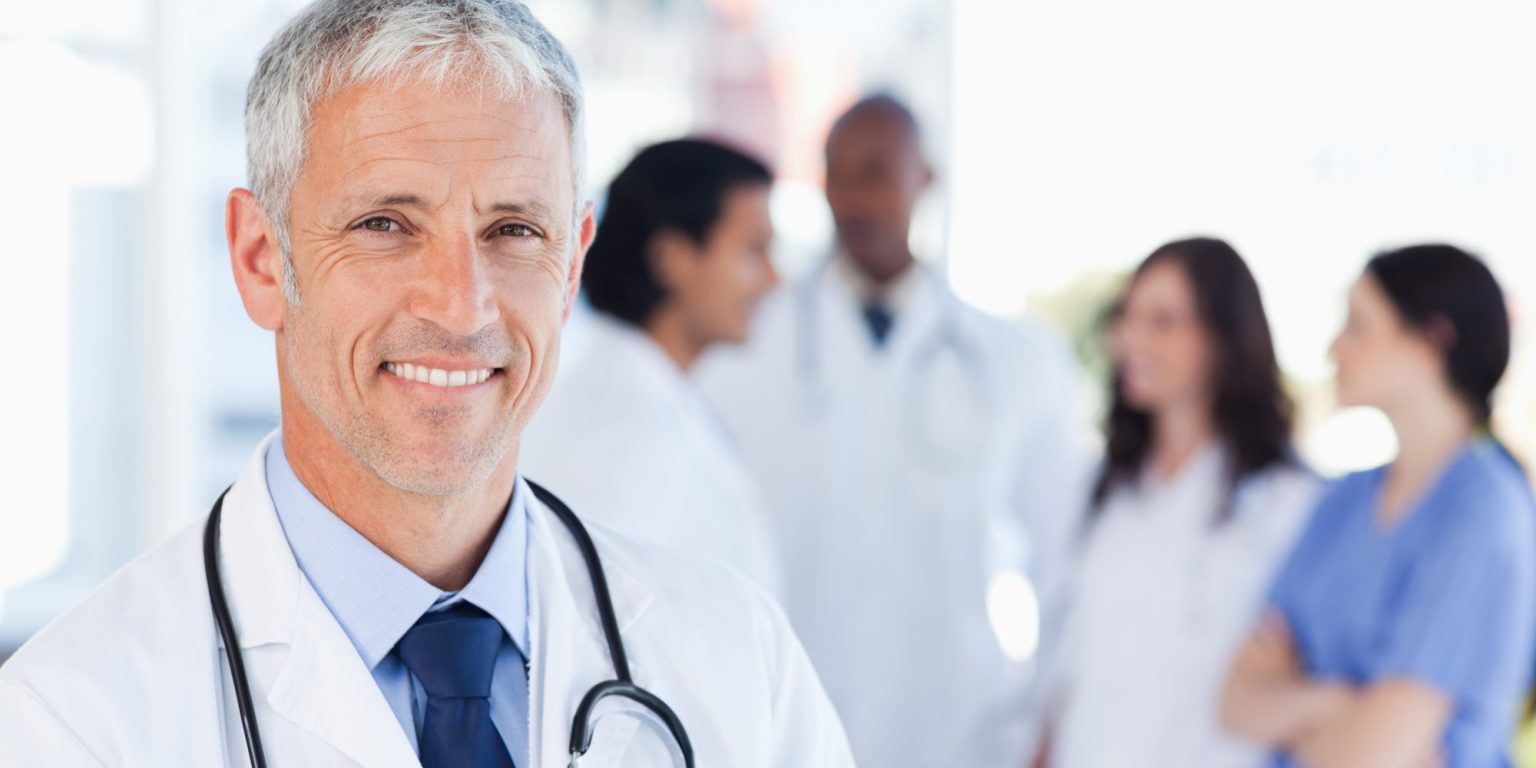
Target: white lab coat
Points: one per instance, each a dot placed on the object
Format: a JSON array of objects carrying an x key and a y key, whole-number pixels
[
  {"x": 135, "y": 676},
  {"x": 1163, "y": 599},
  {"x": 893, "y": 476},
  {"x": 626, "y": 437}
]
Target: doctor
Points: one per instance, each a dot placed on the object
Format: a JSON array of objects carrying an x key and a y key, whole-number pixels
[
  {"x": 680, "y": 262},
  {"x": 399, "y": 596},
  {"x": 1198, "y": 499},
  {"x": 898, "y": 433}
]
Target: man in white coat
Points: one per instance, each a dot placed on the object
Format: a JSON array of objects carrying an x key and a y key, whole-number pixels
[
  {"x": 679, "y": 265},
  {"x": 398, "y": 595},
  {"x": 900, "y": 435}
]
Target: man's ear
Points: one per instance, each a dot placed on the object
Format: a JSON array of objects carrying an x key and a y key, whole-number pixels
[
  {"x": 256, "y": 259},
  {"x": 670, "y": 255},
  {"x": 586, "y": 230},
  {"x": 1441, "y": 333}
]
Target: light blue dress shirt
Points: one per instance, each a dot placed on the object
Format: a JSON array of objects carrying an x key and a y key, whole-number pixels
[
  {"x": 376, "y": 599},
  {"x": 1445, "y": 596}
]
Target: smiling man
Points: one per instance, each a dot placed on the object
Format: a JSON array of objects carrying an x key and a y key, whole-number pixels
[{"x": 395, "y": 594}]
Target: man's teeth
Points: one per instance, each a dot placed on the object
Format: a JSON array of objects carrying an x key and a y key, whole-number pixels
[{"x": 438, "y": 377}]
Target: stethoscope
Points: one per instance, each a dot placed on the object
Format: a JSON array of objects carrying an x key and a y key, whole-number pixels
[
  {"x": 623, "y": 686},
  {"x": 947, "y": 337}
]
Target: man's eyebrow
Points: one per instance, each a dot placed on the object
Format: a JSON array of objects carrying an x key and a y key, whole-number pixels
[
  {"x": 384, "y": 200},
  {"x": 402, "y": 198},
  {"x": 532, "y": 208}
]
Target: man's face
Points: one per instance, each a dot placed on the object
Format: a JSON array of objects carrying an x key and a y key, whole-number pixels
[
  {"x": 875, "y": 173},
  {"x": 719, "y": 284},
  {"x": 435, "y": 246}
]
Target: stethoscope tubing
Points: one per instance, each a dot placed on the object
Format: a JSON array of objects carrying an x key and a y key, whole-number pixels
[{"x": 226, "y": 628}]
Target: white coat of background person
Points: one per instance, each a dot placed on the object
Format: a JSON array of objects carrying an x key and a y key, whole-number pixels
[
  {"x": 897, "y": 432},
  {"x": 1198, "y": 502},
  {"x": 679, "y": 264},
  {"x": 414, "y": 241}
]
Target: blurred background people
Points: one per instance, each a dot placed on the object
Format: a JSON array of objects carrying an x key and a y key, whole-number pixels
[
  {"x": 898, "y": 434},
  {"x": 1197, "y": 501},
  {"x": 1402, "y": 626},
  {"x": 679, "y": 264}
]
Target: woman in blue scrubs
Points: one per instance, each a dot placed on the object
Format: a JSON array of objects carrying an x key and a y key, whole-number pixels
[{"x": 1401, "y": 629}]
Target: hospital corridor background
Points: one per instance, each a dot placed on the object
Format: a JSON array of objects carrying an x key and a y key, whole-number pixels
[{"x": 1093, "y": 385}]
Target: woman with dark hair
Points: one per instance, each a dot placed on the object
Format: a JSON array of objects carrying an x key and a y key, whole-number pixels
[
  {"x": 1401, "y": 629},
  {"x": 679, "y": 264},
  {"x": 1197, "y": 501}
]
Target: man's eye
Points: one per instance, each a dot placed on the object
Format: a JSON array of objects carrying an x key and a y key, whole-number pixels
[
  {"x": 516, "y": 230},
  {"x": 380, "y": 224}
]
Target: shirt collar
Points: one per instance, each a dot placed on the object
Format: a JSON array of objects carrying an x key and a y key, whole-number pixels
[
  {"x": 896, "y": 296},
  {"x": 376, "y": 599},
  {"x": 500, "y": 586}
]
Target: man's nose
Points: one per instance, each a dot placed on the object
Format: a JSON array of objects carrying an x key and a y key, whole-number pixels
[
  {"x": 855, "y": 202},
  {"x": 455, "y": 293},
  {"x": 771, "y": 277}
]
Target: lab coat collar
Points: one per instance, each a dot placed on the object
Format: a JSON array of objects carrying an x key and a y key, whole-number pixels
[
  {"x": 1204, "y": 469},
  {"x": 261, "y": 576},
  {"x": 918, "y": 311},
  {"x": 314, "y": 678},
  {"x": 650, "y": 373},
  {"x": 646, "y": 363}
]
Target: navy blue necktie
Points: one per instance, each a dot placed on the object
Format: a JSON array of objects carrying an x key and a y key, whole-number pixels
[
  {"x": 453, "y": 654},
  {"x": 879, "y": 319}
]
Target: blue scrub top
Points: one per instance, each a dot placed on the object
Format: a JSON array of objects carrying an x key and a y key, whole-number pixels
[{"x": 1445, "y": 597}]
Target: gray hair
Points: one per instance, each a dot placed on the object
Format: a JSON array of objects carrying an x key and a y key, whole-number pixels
[{"x": 336, "y": 43}]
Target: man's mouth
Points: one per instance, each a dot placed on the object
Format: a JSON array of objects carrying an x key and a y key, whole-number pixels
[{"x": 439, "y": 377}]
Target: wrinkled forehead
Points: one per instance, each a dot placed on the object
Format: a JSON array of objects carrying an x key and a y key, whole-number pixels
[{"x": 414, "y": 131}]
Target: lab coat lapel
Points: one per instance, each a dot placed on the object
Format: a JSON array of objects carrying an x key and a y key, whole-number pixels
[
  {"x": 838, "y": 323},
  {"x": 302, "y": 659},
  {"x": 324, "y": 688},
  {"x": 570, "y": 655}
]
